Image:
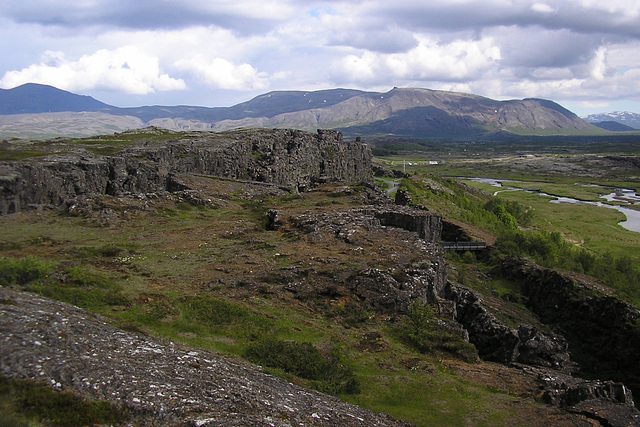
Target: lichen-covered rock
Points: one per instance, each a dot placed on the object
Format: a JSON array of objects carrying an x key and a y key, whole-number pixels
[
  {"x": 606, "y": 403},
  {"x": 159, "y": 382},
  {"x": 389, "y": 291},
  {"x": 427, "y": 225}
]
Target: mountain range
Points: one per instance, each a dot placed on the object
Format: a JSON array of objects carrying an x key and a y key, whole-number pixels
[
  {"x": 616, "y": 121},
  {"x": 40, "y": 111}
]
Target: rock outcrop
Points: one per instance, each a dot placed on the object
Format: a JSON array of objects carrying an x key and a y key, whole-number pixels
[
  {"x": 158, "y": 382},
  {"x": 293, "y": 159},
  {"x": 603, "y": 331},
  {"x": 607, "y": 403},
  {"x": 382, "y": 291},
  {"x": 498, "y": 342},
  {"x": 427, "y": 225}
]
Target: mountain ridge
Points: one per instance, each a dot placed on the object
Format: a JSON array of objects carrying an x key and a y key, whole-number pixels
[
  {"x": 401, "y": 112},
  {"x": 32, "y": 98},
  {"x": 626, "y": 118}
]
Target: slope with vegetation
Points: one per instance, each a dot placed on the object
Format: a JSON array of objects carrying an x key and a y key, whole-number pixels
[{"x": 327, "y": 288}]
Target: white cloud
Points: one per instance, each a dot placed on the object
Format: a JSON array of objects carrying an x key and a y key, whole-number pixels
[
  {"x": 598, "y": 65},
  {"x": 125, "y": 69},
  {"x": 542, "y": 8},
  {"x": 223, "y": 74},
  {"x": 430, "y": 60}
]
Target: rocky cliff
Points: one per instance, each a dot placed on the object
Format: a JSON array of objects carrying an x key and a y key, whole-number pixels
[
  {"x": 288, "y": 158},
  {"x": 603, "y": 331}
]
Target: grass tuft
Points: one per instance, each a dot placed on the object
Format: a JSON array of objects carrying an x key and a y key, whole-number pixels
[{"x": 30, "y": 403}]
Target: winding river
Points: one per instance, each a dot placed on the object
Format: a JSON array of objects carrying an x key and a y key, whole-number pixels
[{"x": 629, "y": 197}]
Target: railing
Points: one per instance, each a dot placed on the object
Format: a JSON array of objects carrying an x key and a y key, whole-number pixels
[{"x": 463, "y": 246}]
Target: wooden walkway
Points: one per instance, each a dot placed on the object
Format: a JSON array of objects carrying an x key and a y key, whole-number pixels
[{"x": 464, "y": 246}]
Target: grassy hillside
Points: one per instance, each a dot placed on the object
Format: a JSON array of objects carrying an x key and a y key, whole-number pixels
[{"x": 213, "y": 277}]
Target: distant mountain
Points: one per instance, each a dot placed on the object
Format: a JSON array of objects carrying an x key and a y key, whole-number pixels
[
  {"x": 407, "y": 112},
  {"x": 34, "y": 98},
  {"x": 424, "y": 113},
  {"x": 624, "y": 117},
  {"x": 614, "y": 126}
]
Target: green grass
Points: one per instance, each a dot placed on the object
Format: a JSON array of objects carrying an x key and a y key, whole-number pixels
[
  {"x": 572, "y": 188},
  {"x": 581, "y": 238},
  {"x": 27, "y": 403},
  {"x": 452, "y": 401},
  {"x": 15, "y": 155},
  {"x": 593, "y": 228},
  {"x": 79, "y": 285}
]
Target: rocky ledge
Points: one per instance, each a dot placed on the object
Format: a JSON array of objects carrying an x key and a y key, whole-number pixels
[
  {"x": 292, "y": 159},
  {"x": 159, "y": 382}
]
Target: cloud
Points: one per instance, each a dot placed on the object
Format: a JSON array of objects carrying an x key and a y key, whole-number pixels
[
  {"x": 125, "y": 69},
  {"x": 181, "y": 51},
  {"x": 617, "y": 17},
  {"x": 534, "y": 46},
  {"x": 430, "y": 60},
  {"x": 246, "y": 16},
  {"x": 542, "y": 8},
  {"x": 388, "y": 40},
  {"x": 223, "y": 74}
]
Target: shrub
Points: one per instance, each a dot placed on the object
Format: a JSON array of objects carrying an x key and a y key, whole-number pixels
[
  {"x": 22, "y": 271},
  {"x": 427, "y": 334},
  {"x": 552, "y": 251},
  {"x": 25, "y": 401},
  {"x": 202, "y": 311},
  {"x": 330, "y": 375},
  {"x": 81, "y": 287}
]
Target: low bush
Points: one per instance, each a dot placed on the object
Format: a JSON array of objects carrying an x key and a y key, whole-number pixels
[
  {"x": 213, "y": 313},
  {"x": 331, "y": 375},
  {"x": 426, "y": 334},
  {"x": 30, "y": 403},
  {"x": 86, "y": 288},
  {"x": 22, "y": 271}
]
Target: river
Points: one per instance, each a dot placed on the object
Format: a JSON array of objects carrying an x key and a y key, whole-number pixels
[{"x": 629, "y": 197}]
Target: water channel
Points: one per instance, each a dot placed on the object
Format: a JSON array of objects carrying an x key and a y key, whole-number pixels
[{"x": 629, "y": 197}]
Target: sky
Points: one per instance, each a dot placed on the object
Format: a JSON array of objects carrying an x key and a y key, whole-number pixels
[{"x": 583, "y": 54}]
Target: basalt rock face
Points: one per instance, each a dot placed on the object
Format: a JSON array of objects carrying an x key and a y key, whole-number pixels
[
  {"x": 603, "y": 331},
  {"x": 427, "y": 225},
  {"x": 498, "y": 342},
  {"x": 288, "y": 158},
  {"x": 544, "y": 355}
]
